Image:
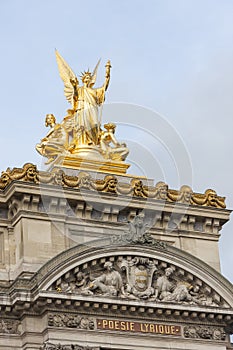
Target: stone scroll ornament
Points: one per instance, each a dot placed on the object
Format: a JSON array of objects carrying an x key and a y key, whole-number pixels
[{"x": 110, "y": 184}]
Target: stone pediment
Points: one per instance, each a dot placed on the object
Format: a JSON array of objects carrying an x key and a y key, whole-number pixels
[
  {"x": 111, "y": 278},
  {"x": 152, "y": 274},
  {"x": 111, "y": 285}
]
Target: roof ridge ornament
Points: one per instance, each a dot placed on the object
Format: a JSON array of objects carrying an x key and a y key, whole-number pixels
[{"x": 138, "y": 234}]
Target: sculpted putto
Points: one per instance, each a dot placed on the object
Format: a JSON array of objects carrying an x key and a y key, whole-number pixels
[
  {"x": 56, "y": 140},
  {"x": 111, "y": 148}
]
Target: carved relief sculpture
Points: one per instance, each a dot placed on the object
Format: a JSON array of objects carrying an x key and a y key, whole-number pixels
[
  {"x": 138, "y": 278},
  {"x": 139, "y": 274},
  {"x": 205, "y": 332},
  {"x": 109, "y": 283},
  {"x": 70, "y": 321},
  {"x": 8, "y": 326},
  {"x": 51, "y": 346}
]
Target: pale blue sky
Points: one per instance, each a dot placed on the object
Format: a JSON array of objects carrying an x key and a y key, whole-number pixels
[{"x": 174, "y": 57}]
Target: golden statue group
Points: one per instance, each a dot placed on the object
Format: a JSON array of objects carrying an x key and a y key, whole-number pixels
[{"x": 80, "y": 133}]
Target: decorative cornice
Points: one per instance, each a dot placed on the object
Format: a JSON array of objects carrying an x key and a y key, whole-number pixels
[
  {"x": 110, "y": 184},
  {"x": 77, "y": 309}
]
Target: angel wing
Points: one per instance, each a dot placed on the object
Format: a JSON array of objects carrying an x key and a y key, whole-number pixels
[
  {"x": 66, "y": 74},
  {"x": 94, "y": 75}
]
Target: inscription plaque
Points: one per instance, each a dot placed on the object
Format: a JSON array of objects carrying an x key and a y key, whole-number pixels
[{"x": 138, "y": 327}]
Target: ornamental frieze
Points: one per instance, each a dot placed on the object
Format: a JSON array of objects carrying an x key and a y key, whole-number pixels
[
  {"x": 51, "y": 346},
  {"x": 134, "y": 277},
  {"x": 70, "y": 321},
  {"x": 165, "y": 329},
  {"x": 204, "y": 332},
  {"x": 110, "y": 184},
  {"x": 8, "y": 326}
]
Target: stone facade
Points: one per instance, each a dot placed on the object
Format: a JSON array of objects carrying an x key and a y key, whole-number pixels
[
  {"x": 93, "y": 268},
  {"x": 71, "y": 215}
]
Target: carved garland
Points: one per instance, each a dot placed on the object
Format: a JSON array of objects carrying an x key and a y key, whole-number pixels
[{"x": 110, "y": 184}]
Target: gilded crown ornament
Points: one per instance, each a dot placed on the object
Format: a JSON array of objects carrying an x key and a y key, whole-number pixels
[{"x": 80, "y": 136}]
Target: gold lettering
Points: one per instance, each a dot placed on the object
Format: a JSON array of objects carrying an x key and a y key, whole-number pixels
[
  {"x": 141, "y": 328},
  {"x": 110, "y": 324},
  {"x": 122, "y": 326},
  {"x": 105, "y": 322},
  {"x": 161, "y": 329},
  {"x": 152, "y": 328},
  {"x": 132, "y": 326}
]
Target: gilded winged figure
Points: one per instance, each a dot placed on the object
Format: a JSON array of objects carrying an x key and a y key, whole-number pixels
[{"x": 85, "y": 101}]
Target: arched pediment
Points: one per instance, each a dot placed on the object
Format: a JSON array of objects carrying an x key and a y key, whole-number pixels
[{"x": 137, "y": 272}]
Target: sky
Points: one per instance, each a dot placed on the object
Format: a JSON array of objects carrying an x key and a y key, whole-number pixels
[{"x": 170, "y": 92}]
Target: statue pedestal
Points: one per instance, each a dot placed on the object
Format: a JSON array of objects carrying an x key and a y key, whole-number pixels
[
  {"x": 85, "y": 151},
  {"x": 89, "y": 158},
  {"x": 103, "y": 166}
]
